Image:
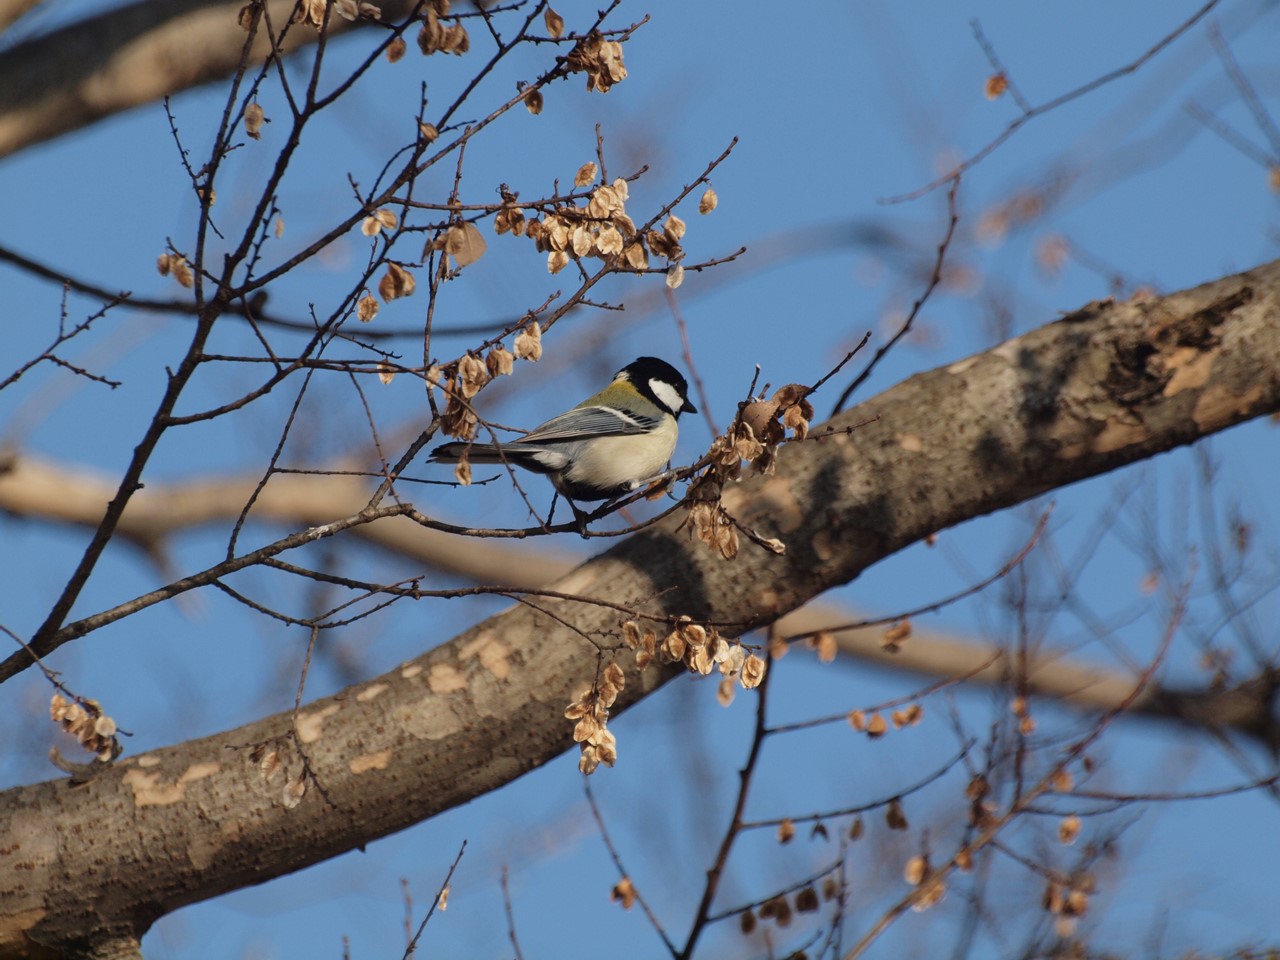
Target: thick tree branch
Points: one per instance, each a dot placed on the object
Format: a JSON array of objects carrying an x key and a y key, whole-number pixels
[
  {"x": 1106, "y": 386},
  {"x": 36, "y": 488},
  {"x": 40, "y": 489},
  {"x": 129, "y": 56},
  {"x": 13, "y": 10}
]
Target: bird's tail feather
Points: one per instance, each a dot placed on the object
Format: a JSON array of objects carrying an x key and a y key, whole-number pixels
[{"x": 532, "y": 458}]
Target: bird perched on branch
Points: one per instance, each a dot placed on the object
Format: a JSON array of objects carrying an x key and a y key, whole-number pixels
[{"x": 608, "y": 445}]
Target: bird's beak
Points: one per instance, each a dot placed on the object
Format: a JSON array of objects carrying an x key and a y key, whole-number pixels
[{"x": 688, "y": 407}]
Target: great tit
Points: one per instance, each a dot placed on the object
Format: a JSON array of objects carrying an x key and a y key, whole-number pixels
[{"x": 608, "y": 445}]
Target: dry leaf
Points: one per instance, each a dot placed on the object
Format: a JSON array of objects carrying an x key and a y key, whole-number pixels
[
  {"x": 786, "y": 831},
  {"x": 807, "y": 900},
  {"x": 996, "y": 85},
  {"x": 175, "y": 265},
  {"x": 473, "y": 373},
  {"x": 930, "y": 893},
  {"x": 631, "y": 634},
  {"x": 432, "y": 33},
  {"x": 253, "y": 120},
  {"x": 396, "y": 49},
  {"x": 725, "y": 691},
  {"x": 554, "y": 22},
  {"x": 396, "y": 282},
  {"x": 753, "y": 670},
  {"x": 464, "y": 243},
  {"x": 893, "y": 638},
  {"x": 624, "y": 892},
  {"x": 708, "y": 202},
  {"x": 500, "y": 361},
  {"x": 528, "y": 343},
  {"x": 367, "y": 308},
  {"x": 586, "y": 174},
  {"x": 895, "y": 816},
  {"x": 462, "y": 472},
  {"x": 1068, "y": 830},
  {"x": 609, "y": 242},
  {"x": 295, "y": 789},
  {"x": 876, "y": 726},
  {"x": 915, "y": 870},
  {"x": 375, "y": 222}
]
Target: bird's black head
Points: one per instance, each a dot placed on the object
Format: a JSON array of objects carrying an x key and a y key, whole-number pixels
[{"x": 660, "y": 382}]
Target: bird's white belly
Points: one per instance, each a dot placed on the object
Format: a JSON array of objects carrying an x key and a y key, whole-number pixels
[{"x": 616, "y": 463}]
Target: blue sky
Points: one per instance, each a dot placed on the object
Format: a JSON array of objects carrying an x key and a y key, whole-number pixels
[{"x": 837, "y": 108}]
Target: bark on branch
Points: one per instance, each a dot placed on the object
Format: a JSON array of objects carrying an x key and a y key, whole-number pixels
[
  {"x": 129, "y": 56},
  {"x": 41, "y": 489},
  {"x": 1106, "y": 386}
]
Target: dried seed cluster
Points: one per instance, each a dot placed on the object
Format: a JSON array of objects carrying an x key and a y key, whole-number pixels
[
  {"x": 982, "y": 812},
  {"x": 781, "y": 909},
  {"x": 599, "y": 59},
  {"x": 623, "y": 892},
  {"x": 85, "y": 720},
  {"x": 442, "y": 37},
  {"x": 931, "y": 885},
  {"x": 172, "y": 263},
  {"x": 312, "y": 11},
  {"x": 1068, "y": 900},
  {"x": 707, "y": 518},
  {"x": 591, "y": 714},
  {"x": 753, "y": 438},
  {"x": 702, "y": 650},
  {"x": 463, "y": 379},
  {"x": 761, "y": 426},
  {"x": 875, "y": 726},
  {"x": 600, "y": 227}
]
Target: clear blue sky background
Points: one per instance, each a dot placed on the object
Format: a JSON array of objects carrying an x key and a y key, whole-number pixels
[{"x": 838, "y": 106}]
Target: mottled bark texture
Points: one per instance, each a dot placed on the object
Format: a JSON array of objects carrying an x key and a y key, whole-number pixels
[{"x": 1108, "y": 385}]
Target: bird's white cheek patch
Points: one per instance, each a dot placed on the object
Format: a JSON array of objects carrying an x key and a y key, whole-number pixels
[{"x": 667, "y": 394}]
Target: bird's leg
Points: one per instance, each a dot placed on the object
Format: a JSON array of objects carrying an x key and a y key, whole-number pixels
[
  {"x": 552, "y": 512},
  {"x": 580, "y": 517}
]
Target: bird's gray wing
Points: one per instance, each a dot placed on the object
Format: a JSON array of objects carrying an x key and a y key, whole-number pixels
[{"x": 583, "y": 422}]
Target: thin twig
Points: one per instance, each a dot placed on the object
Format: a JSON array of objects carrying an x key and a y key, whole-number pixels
[
  {"x": 436, "y": 902},
  {"x": 622, "y": 871},
  {"x": 935, "y": 279},
  {"x": 1028, "y": 115},
  {"x": 511, "y": 917},
  {"x": 745, "y": 775}
]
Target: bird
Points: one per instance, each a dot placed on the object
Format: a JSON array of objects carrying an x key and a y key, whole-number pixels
[{"x": 612, "y": 443}]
